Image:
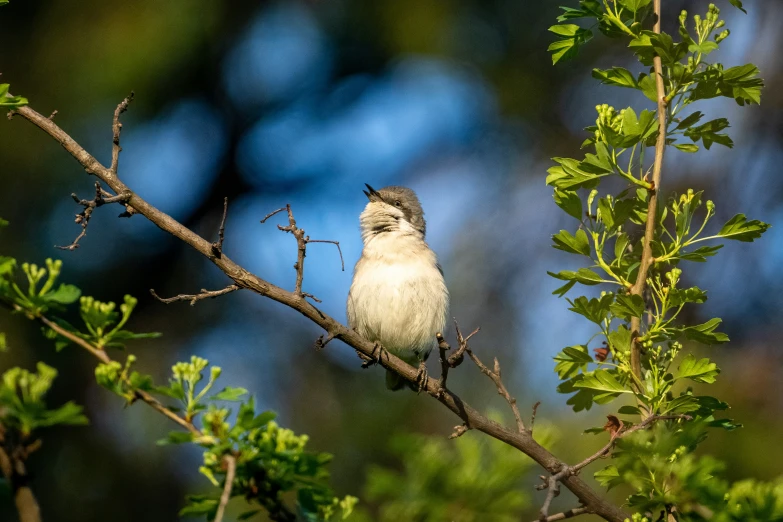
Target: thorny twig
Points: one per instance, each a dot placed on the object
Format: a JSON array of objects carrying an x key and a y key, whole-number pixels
[
  {"x": 101, "y": 198},
  {"x": 194, "y": 298},
  {"x": 301, "y": 243},
  {"x": 618, "y": 431}
]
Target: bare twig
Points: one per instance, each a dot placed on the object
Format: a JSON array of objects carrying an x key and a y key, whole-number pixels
[
  {"x": 533, "y": 416},
  {"x": 116, "y": 129},
  {"x": 101, "y": 198},
  {"x": 301, "y": 247},
  {"x": 652, "y": 203},
  {"x": 495, "y": 375},
  {"x": 194, "y": 298},
  {"x": 470, "y": 416},
  {"x": 231, "y": 468},
  {"x": 53, "y": 114},
  {"x": 217, "y": 247},
  {"x": 462, "y": 344},
  {"x": 573, "y": 512}
]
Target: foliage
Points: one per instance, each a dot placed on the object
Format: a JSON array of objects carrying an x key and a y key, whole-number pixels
[
  {"x": 22, "y": 406},
  {"x": 270, "y": 460},
  {"x": 468, "y": 479},
  {"x": 657, "y": 465}
]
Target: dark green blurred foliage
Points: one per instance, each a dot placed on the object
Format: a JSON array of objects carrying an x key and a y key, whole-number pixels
[{"x": 468, "y": 479}]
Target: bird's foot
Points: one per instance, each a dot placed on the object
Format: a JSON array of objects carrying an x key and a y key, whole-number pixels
[
  {"x": 378, "y": 351},
  {"x": 422, "y": 377}
]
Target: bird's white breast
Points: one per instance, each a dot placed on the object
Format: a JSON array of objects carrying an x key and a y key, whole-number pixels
[{"x": 398, "y": 296}]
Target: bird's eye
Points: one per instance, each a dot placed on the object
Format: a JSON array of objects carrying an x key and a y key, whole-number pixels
[{"x": 398, "y": 203}]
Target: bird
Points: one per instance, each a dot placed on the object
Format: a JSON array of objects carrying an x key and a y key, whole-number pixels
[{"x": 398, "y": 297}]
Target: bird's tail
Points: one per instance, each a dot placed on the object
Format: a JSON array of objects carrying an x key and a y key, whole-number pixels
[{"x": 395, "y": 381}]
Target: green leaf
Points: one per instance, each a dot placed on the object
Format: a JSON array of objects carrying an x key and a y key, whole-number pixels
[
  {"x": 589, "y": 9},
  {"x": 200, "y": 505},
  {"x": 578, "y": 244},
  {"x": 689, "y": 121},
  {"x": 708, "y": 133},
  {"x": 10, "y": 102},
  {"x": 705, "y": 333},
  {"x": 608, "y": 477},
  {"x": 7, "y": 265},
  {"x": 701, "y": 254},
  {"x": 687, "y": 147},
  {"x": 570, "y": 202},
  {"x": 740, "y": 229},
  {"x": 620, "y": 339},
  {"x": 634, "y": 5},
  {"x": 694, "y": 294},
  {"x": 614, "y": 214},
  {"x": 681, "y": 404},
  {"x": 594, "y": 309},
  {"x": 563, "y": 290},
  {"x": 648, "y": 87},
  {"x": 618, "y": 76},
  {"x": 3, "y": 343},
  {"x": 176, "y": 437},
  {"x": 570, "y": 175},
  {"x": 583, "y": 275},
  {"x": 738, "y": 5},
  {"x": 601, "y": 380},
  {"x": 571, "y": 38},
  {"x": 702, "y": 370},
  {"x": 571, "y": 360},
  {"x": 627, "y": 306},
  {"x": 704, "y": 48},
  {"x": 65, "y": 294},
  {"x": 68, "y": 414},
  {"x": 229, "y": 394}
]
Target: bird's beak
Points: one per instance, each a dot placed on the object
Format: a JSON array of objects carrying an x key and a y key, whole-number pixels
[{"x": 372, "y": 195}]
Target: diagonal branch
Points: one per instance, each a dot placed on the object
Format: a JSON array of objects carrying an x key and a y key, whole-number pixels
[
  {"x": 652, "y": 203},
  {"x": 473, "y": 419}
]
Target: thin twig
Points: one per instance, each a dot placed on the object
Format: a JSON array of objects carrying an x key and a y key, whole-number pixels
[
  {"x": 533, "y": 416},
  {"x": 495, "y": 375},
  {"x": 116, "y": 129},
  {"x": 573, "y": 512},
  {"x": 217, "y": 247},
  {"x": 231, "y": 468},
  {"x": 101, "y": 198},
  {"x": 194, "y": 298},
  {"x": 652, "y": 203},
  {"x": 462, "y": 344},
  {"x": 335, "y": 243}
]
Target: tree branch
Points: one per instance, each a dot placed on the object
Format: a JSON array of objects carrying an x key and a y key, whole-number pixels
[
  {"x": 472, "y": 418},
  {"x": 573, "y": 512},
  {"x": 652, "y": 203}
]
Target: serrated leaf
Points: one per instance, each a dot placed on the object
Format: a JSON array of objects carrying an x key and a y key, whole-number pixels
[
  {"x": 608, "y": 477},
  {"x": 740, "y": 229},
  {"x": 583, "y": 275},
  {"x": 571, "y": 38},
  {"x": 627, "y": 306},
  {"x": 689, "y": 121},
  {"x": 709, "y": 133},
  {"x": 620, "y": 339},
  {"x": 702, "y": 370},
  {"x": 601, "y": 380},
  {"x": 701, "y": 254},
  {"x": 629, "y": 410},
  {"x": 571, "y": 360},
  {"x": 593, "y": 309},
  {"x": 200, "y": 506},
  {"x": 570, "y": 202},
  {"x": 705, "y": 333},
  {"x": 681, "y": 404},
  {"x": 589, "y": 9},
  {"x": 577, "y": 244},
  {"x": 634, "y": 5},
  {"x": 563, "y": 290},
  {"x": 229, "y": 394},
  {"x": 618, "y": 76},
  {"x": 694, "y": 294},
  {"x": 647, "y": 86}
]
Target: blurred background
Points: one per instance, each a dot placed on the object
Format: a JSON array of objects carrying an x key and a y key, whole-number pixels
[{"x": 300, "y": 102}]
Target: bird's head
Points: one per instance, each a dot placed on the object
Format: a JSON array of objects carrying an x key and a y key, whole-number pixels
[{"x": 392, "y": 209}]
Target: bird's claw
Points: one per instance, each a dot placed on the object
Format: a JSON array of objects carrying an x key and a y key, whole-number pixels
[{"x": 422, "y": 377}]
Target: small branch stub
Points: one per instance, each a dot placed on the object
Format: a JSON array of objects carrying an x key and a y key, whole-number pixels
[{"x": 194, "y": 298}]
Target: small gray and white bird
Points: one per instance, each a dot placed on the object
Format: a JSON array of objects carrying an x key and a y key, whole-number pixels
[{"x": 398, "y": 297}]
